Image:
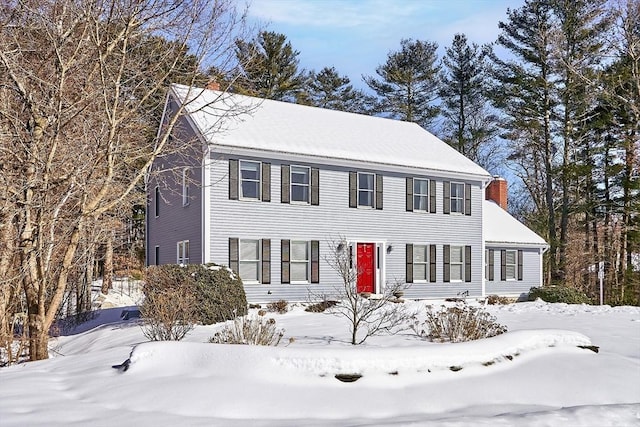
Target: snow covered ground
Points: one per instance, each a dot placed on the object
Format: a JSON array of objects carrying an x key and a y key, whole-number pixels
[{"x": 535, "y": 375}]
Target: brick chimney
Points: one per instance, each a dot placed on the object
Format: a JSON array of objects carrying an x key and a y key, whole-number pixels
[
  {"x": 497, "y": 191},
  {"x": 213, "y": 85}
]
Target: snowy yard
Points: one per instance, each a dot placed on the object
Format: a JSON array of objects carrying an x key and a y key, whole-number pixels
[{"x": 535, "y": 375}]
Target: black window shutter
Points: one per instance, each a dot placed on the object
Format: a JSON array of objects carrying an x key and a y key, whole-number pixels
[
  {"x": 378, "y": 191},
  {"x": 432, "y": 263},
  {"x": 409, "y": 262},
  {"x": 315, "y": 186},
  {"x": 503, "y": 265},
  {"x": 519, "y": 265},
  {"x": 409, "y": 194},
  {"x": 491, "y": 264},
  {"x": 233, "y": 179},
  {"x": 266, "y": 182},
  {"x": 266, "y": 261},
  {"x": 467, "y": 263},
  {"x": 432, "y": 196},
  {"x": 315, "y": 261},
  {"x": 446, "y": 256},
  {"x": 446, "y": 206},
  {"x": 467, "y": 199},
  {"x": 285, "y": 263},
  {"x": 353, "y": 189},
  {"x": 233, "y": 254},
  {"x": 285, "y": 179}
]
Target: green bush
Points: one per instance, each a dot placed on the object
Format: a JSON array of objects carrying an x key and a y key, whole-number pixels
[
  {"x": 558, "y": 294},
  {"x": 217, "y": 292}
]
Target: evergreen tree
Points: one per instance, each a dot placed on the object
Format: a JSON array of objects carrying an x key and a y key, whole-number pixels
[
  {"x": 469, "y": 124},
  {"x": 269, "y": 67},
  {"x": 408, "y": 83},
  {"x": 327, "y": 89}
]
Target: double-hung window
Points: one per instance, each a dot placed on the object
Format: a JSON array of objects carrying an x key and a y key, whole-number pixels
[
  {"x": 300, "y": 183},
  {"x": 420, "y": 263},
  {"x": 511, "y": 264},
  {"x": 457, "y": 197},
  {"x": 299, "y": 262},
  {"x": 420, "y": 194},
  {"x": 249, "y": 180},
  {"x": 456, "y": 263},
  {"x": 366, "y": 189},
  {"x": 249, "y": 260},
  {"x": 183, "y": 252}
]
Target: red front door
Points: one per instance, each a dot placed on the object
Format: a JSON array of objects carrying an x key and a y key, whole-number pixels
[{"x": 366, "y": 267}]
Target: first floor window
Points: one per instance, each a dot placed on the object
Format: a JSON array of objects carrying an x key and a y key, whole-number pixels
[
  {"x": 457, "y": 197},
  {"x": 420, "y": 194},
  {"x": 420, "y": 261},
  {"x": 249, "y": 180},
  {"x": 366, "y": 189},
  {"x": 299, "y": 261},
  {"x": 511, "y": 264},
  {"x": 183, "y": 252},
  {"x": 185, "y": 186},
  {"x": 456, "y": 265},
  {"x": 249, "y": 260}
]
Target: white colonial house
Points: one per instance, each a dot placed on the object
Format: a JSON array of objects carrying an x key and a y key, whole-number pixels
[{"x": 273, "y": 188}]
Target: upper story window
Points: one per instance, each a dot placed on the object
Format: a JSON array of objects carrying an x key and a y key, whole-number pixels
[
  {"x": 366, "y": 189},
  {"x": 249, "y": 180},
  {"x": 185, "y": 186},
  {"x": 183, "y": 252},
  {"x": 457, "y": 197},
  {"x": 420, "y": 194},
  {"x": 456, "y": 263},
  {"x": 511, "y": 264},
  {"x": 300, "y": 183}
]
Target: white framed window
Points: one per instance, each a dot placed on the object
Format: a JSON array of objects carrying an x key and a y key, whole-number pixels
[
  {"x": 511, "y": 264},
  {"x": 249, "y": 180},
  {"x": 456, "y": 263},
  {"x": 420, "y": 194},
  {"x": 185, "y": 186},
  {"x": 183, "y": 252},
  {"x": 300, "y": 262},
  {"x": 420, "y": 263},
  {"x": 156, "y": 201},
  {"x": 366, "y": 189},
  {"x": 249, "y": 260},
  {"x": 457, "y": 197},
  {"x": 300, "y": 183}
]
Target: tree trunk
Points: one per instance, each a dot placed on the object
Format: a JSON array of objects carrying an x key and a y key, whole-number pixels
[{"x": 107, "y": 277}]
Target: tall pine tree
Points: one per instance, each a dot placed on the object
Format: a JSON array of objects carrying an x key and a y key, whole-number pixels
[
  {"x": 328, "y": 89},
  {"x": 407, "y": 83}
]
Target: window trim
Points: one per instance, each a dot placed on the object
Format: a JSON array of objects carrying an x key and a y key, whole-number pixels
[
  {"x": 372, "y": 191},
  {"x": 257, "y": 261},
  {"x": 184, "y": 260},
  {"x": 185, "y": 186},
  {"x": 425, "y": 196},
  {"x": 307, "y": 185},
  {"x": 457, "y": 197},
  {"x": 258, "y": 180},
  {"x": 514, "y": 264},
  {"x": 425, "y": 263},
  {"x": 307, "y": 262}
]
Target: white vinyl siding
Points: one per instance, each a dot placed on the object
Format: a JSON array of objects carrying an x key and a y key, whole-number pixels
[
  {"x": 299, "y": 262},
  {"x": 366, "y": 189},
  {"x": 420, "y": 194},
  {"x": 457, "y": 197},
  {"x": 249, "y": 260},
  {"x": 249, "y": 180},
  {"x": 420, "y": 263},
  {"x": 456, "y": 266},
  {"x": 511, "y": 264},
  {"x": 300, "y": 184},
  {"x": 182, "y": 252}
]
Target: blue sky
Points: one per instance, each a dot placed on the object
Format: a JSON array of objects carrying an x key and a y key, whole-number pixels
[{"x": 355, "y": 35}]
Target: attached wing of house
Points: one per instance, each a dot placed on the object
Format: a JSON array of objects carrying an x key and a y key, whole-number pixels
[{"x": 277, "y": 188}]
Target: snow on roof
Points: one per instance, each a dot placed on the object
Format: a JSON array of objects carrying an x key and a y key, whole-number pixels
[
  {"x": 500, "y": 227},
  {"x": 284, "y": 127}
]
